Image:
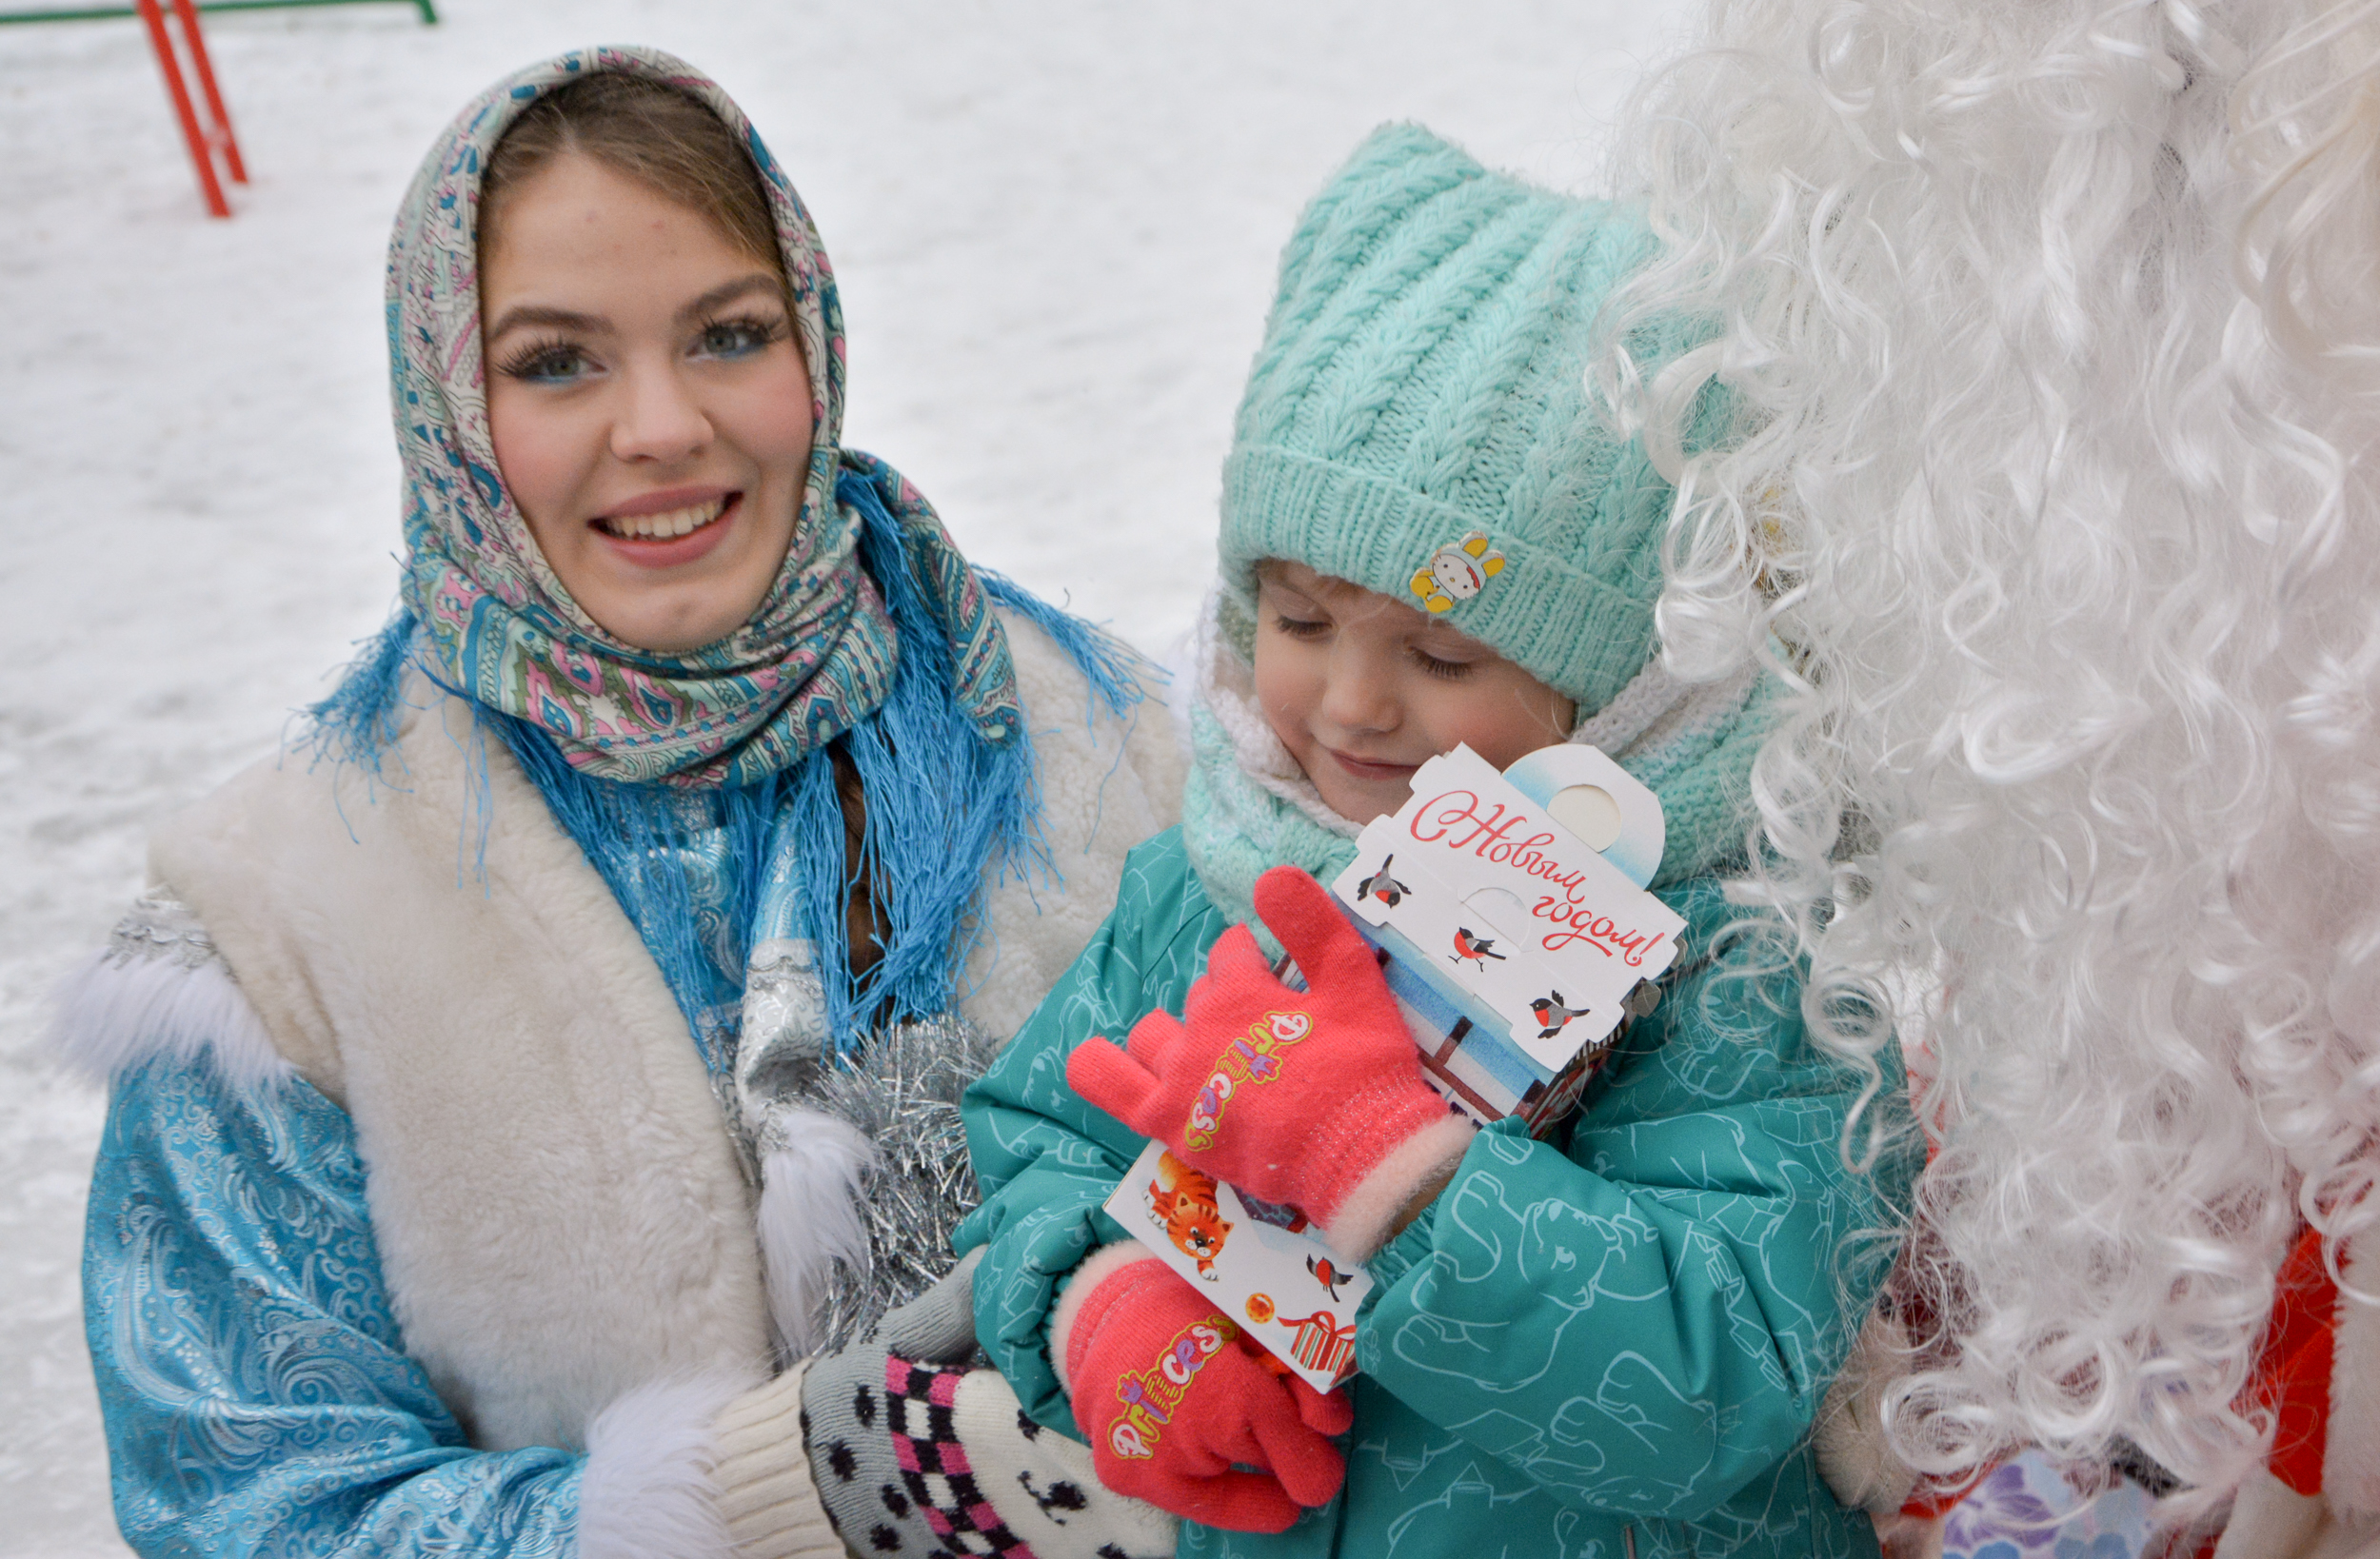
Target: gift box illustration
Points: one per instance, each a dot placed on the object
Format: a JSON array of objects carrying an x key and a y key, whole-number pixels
[{"x": 1511, "y": 920}]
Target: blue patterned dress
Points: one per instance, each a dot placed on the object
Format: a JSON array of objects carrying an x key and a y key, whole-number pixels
[{"x": 251, "y": 1373}]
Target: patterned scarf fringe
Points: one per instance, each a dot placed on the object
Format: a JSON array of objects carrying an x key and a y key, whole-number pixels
[{"x": 358, "y": 722}]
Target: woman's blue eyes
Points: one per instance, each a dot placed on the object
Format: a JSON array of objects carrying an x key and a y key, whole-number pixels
[
  {"x": 737, "y": 338},
  {"x": 545, "y": 363},
  {"x": 564, "y": 363}
]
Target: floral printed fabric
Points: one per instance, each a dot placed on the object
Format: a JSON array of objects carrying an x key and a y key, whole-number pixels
[
  {"x": 2028, "y": 1510},
  {"x": 816, "y": 657},
  {"x": 257, "y": 1394}
]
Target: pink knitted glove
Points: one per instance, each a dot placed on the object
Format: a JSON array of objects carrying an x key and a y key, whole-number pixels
[
  {"x": 1171, "y": 1395},
  {"x": 1312, "y": 1097}
]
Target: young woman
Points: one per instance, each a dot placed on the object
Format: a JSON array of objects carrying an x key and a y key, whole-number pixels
[{"x": 455, "y": 1195}]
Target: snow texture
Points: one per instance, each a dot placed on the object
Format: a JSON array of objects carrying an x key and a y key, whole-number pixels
[{"x": 1055, "y": 226}]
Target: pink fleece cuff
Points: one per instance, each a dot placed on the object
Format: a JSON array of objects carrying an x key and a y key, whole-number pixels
[
  {"x": 1359, "y": 1226},
  {"x": 1097, "y": 1269}
]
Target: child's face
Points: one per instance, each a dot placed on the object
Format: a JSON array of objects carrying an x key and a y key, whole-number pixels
[
  {"x": 1363, "y": 690},
  {"x": 649, "y": 407}
]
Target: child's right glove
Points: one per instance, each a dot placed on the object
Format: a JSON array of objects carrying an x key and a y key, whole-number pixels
[
  {"x": 1171, "y": 1397},
  {"x": 1311, "y": 1098}
]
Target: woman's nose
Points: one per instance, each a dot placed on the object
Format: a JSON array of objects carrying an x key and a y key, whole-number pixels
[{"x": 659, "y": 420}]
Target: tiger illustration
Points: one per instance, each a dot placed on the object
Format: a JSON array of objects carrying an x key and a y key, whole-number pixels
[{"x": 1181, "y": 1202}]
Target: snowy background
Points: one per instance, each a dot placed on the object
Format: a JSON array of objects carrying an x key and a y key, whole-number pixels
[{"x": 1055, "y": 226}]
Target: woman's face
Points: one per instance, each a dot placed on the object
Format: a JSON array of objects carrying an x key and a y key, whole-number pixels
[{"x": 650, "y": 405}]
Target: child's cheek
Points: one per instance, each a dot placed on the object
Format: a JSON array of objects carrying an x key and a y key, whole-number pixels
[
  {"x": 1285, "y": 689},
  {"x": 1503, "y": 719}
]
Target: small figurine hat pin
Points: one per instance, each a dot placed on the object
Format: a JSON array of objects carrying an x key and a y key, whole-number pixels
[{"x": 1457, "y": 571}]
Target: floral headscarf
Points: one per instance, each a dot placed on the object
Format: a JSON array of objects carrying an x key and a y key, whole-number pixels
[{"x": 816, "y": 657}]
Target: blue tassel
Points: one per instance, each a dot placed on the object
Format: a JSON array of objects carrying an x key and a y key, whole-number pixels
[
  {"x": 1114, "y": 669},
  {"x": 359, "y": 720}
]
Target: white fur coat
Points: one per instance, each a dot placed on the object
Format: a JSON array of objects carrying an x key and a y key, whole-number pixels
[{"x": 561, "y": 1217}]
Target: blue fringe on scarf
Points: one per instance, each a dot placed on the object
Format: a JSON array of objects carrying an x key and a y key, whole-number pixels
[{"x": 943, "y": 807}]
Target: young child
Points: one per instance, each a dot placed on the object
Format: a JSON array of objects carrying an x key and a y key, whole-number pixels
[{"x": 1609, "y": 1343}]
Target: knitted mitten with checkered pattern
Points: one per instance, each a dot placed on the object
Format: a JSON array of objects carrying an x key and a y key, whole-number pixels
[{"x": 914, "y": 1453}]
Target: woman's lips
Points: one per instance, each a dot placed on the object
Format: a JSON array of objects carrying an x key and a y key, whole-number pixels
[
  {"x": 1364, "y": 769},
  {"x": 668, "y": 538}
]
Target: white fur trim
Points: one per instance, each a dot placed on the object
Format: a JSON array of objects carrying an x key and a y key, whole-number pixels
[
  {"x": 1360, "y": 1226},
  {"x": 1097, "y": 1267},
  {"x": 2269, "y": 1520},
  {"x": 646, "y": 1492},
  {"x": 1855, "y": 1455},
  {"x": 812, "y": 1171},
  {"x": 114, "y": 1013},
  {"x": 2351, "y": 1457}
]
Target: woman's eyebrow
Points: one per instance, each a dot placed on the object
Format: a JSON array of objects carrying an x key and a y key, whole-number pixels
[
  {"x": 553, "y": 319},
  {"x": 725, "y": 294}
]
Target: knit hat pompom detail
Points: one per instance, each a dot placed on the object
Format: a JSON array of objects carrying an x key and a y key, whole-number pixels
[{"x": 1418, "y": 421}]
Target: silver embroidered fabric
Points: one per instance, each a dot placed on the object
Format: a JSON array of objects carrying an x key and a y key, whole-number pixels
[{"x": 159, "y": 926}]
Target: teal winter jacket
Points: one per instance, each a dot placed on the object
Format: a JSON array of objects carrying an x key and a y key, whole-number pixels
[{"x": 1610, "y": 1344}]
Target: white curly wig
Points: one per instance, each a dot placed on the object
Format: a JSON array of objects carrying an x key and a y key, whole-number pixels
[{"x": 2054, "y": 330}]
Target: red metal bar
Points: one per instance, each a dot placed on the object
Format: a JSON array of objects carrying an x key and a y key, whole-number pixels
[
  {"x": 219, "y": 134},
  {"x": 154, "y": 18}
]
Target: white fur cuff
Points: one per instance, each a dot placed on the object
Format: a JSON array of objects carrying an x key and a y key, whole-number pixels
[
  {"x": 1856, "y": 1456},
  {"x": 1361, "y": 1225},
  {"x": 2350, "y": 1463},
  {"x": 646, "y": 1492},
  {"x": 115, "y": 1013},
  {"x": 1097, "y": 1268}
]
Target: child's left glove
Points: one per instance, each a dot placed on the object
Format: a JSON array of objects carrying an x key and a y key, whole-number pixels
[
  {"x": 1172, "y": 1398},
  {"x": 1311, "y": 1098}
]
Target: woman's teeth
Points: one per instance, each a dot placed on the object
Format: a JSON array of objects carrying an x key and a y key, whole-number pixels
[{"x": 660, "y": 528}]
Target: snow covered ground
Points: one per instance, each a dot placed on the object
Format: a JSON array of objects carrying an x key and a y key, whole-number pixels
[{"x": 1055, "y": 224}]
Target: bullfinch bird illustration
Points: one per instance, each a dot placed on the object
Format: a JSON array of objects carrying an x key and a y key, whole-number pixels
[
  {"x": 1326, "y": 1275},
  {"x": 1553, "y": 1014},
  {"x": 1470, "y": 944},
  {"x": 1384, "y": 887}
]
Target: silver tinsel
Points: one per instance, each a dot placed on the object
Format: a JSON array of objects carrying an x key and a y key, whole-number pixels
[{"x": 901, "y": 1091}]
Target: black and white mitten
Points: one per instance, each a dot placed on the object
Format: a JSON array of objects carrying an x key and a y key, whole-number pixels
[{"x": 914, "y": 1453}]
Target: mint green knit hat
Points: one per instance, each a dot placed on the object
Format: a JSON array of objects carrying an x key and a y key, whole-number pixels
[{"x": 1418, "y": 421}]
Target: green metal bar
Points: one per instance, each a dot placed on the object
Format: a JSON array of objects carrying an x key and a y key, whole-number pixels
[{"x": 104, "y": 13}]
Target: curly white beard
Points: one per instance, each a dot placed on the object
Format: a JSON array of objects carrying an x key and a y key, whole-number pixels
[{"x": 2064, "y": 529}]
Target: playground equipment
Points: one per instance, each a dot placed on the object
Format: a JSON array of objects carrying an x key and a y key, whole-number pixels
[{"x": 213, "y": 139}]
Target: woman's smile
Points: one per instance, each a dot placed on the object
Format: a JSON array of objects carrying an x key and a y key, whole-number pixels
[{"x": 668, "y": 529}]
